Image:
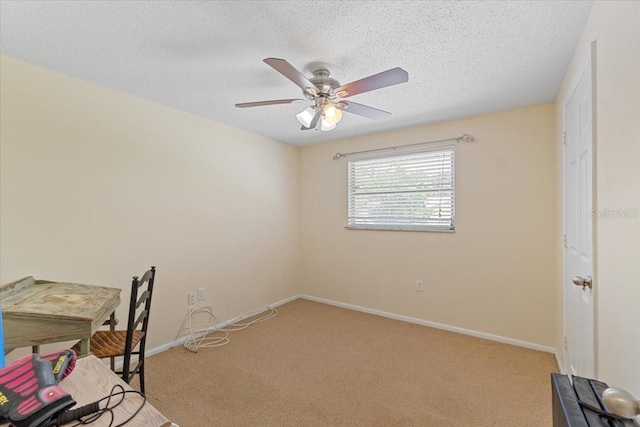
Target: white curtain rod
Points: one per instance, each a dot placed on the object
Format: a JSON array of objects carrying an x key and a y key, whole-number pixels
[{"x": 465, "y": 138}]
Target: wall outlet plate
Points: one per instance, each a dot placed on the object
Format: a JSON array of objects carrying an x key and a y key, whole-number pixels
[
  {"x": 419, "y": 285},
  {"x": 192, "y": 298},
  {"x": 201, "y": 294}
]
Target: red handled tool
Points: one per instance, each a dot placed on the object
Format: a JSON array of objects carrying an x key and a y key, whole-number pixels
[{"x": 29, "y": 394}]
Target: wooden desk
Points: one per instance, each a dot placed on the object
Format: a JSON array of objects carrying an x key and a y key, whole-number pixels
[
  {"x": 91, "y": 380},
  {"x": 40, "y": 311}
]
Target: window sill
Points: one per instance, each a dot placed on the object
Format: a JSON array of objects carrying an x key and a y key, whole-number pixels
[{"x": 382, "y": 228}]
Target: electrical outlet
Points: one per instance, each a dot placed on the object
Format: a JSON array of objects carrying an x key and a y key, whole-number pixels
[
  {"x": 419, "y": 285},
  {"x": 192, "y": 298},
  {"x": 200, "y": 294}
]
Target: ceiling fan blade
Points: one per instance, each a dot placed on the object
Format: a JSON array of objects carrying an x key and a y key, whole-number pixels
[
  {"x": 274, "y": 102},
  {"x": 390, "y": 77},
  {"x": 314, "y": 121},
  {"x": 288, "y": 70},
  {"x": 362, "y": 110}
]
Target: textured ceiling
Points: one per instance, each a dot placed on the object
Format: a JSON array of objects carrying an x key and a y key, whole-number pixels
[{"x": 463, "y": 58}]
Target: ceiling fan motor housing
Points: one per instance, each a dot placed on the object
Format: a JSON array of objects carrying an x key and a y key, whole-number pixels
[{"x": 325, "y": 84}]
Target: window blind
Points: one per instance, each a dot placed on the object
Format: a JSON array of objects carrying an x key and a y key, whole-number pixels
[{"x": 403, "y": 192}]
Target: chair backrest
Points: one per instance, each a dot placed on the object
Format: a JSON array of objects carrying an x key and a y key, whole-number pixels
[{"x": 139, "y": 309}]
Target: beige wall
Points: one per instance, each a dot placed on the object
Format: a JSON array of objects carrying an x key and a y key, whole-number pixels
[
  {"x": 495, "y": 274},
  {"x": 97, "y": 185},
  {"x": 89, "y": 174},
  {"x": 614, "y": 27}
]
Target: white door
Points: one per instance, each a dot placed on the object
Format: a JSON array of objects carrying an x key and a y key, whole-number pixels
[{"x": 579, "y": 303}]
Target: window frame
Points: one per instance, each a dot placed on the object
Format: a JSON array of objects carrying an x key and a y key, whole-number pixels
[{"x": 410, "y": 227}]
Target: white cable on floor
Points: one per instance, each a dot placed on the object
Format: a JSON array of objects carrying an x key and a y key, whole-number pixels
[{"x": 200, "y": 335}]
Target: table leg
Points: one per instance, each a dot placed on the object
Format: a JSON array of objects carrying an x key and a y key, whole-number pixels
[
  {"x": 35, "y": 349},
  {"x": 84, "y": 347}
]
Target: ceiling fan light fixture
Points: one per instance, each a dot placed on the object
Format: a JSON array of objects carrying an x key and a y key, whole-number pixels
[
  {"x": 331, "y": 114},
  {"x": 306, "y": 116},
  {"x": 325, "y": 126}
]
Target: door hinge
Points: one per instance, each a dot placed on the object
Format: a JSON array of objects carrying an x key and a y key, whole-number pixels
[
  {"x": 566, "y": 346},
  {"x": 565, "y": 241},
  {"x": 564, "y": 137}
]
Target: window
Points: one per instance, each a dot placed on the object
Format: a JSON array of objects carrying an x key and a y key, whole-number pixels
[{"x": 403, "y": 192}]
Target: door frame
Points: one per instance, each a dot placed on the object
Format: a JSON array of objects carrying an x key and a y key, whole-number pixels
[{"x": 589, "y": 60}]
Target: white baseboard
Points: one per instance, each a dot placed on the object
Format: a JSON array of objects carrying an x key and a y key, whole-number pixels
[
  {"x": 560, "y": 366},
  {"x": 181, "y": 341},
  {"x": 444, "y": 327},
  {"x": 224, "y": 324},
  {"x": 400, "y": 317}
]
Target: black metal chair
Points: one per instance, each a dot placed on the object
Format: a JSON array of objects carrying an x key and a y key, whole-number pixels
[{"x": 115, "y": 343}]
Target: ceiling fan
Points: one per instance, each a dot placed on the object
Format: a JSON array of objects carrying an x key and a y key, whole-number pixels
[{"x": 328, "y": 95}]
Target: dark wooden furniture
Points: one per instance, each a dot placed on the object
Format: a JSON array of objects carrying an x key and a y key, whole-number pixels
[
  {"x": 116, "y": 343},
  {"x": 580, "y": 404},
  {"x": 38, "y": 312}
]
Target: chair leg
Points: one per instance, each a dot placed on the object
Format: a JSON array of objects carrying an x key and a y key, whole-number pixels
[
  {"x": 141, "y": 375},
  {"x": 112, "y": 327}
]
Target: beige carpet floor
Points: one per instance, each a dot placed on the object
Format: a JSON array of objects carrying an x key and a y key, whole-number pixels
[{"x": 319, "y": 365}]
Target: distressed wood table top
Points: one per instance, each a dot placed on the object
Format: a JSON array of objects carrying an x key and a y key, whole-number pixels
[
  {"x": 40, "y": 311},
  {"x": 60, "y": 300}
]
